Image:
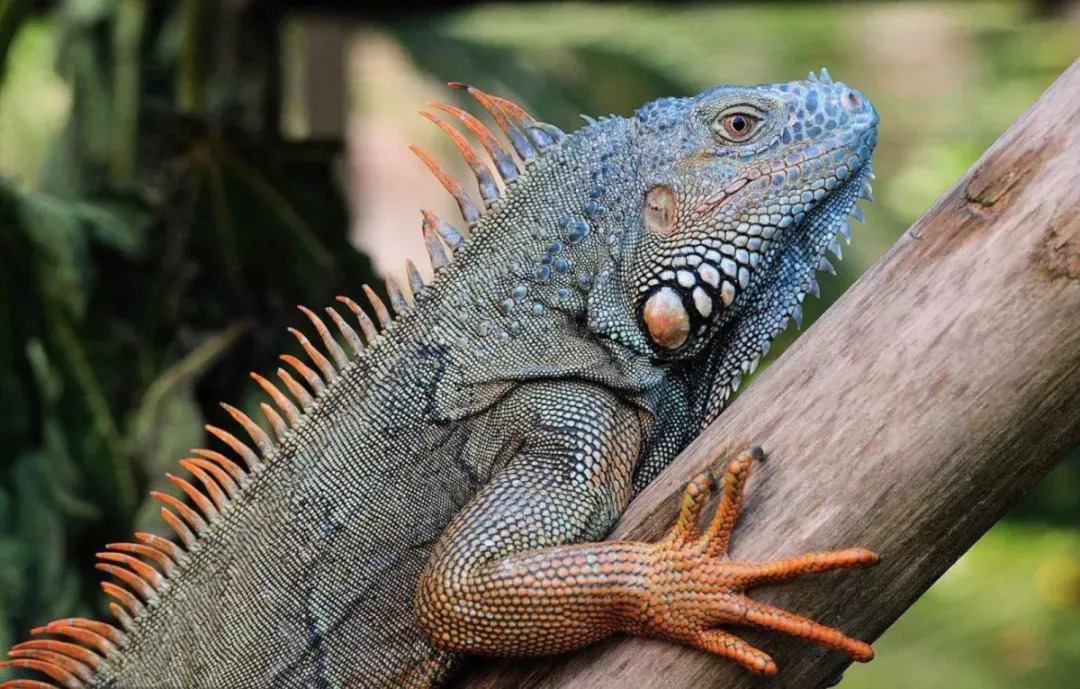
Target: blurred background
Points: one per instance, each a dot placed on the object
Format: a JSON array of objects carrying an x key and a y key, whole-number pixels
[{"x": 176, "y": 176}]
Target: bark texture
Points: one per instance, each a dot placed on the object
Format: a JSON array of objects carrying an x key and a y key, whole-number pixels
[{"x": 935, "y": 392}]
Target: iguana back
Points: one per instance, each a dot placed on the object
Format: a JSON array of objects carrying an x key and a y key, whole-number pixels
[
  {"x": 308, "y": 579},
  {"x": 575, "y": 344}
]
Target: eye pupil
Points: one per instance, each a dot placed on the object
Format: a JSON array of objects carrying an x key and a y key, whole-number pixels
[{"x": 736, "y": 127}]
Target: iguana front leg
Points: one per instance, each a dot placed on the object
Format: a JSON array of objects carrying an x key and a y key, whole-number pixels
[
  {"x": 712, "y": 590},
  {"x": 511, "y": 577}
]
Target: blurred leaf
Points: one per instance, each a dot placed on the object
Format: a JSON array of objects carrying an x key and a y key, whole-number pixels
[
  {"x": 127, "y": 33},
  {"x": 54, "y": 460},
  {"x": 52, "y": 226},
  {"x": 12, "y": 15},
  {"x": 168, "y": 421},
  {"x": 990, "y": 622},
  {"x": 114, "y": 462},
  {"x": 34, "y": 101},
  {"x": 89, "y": 11},
  {"x": 121, "y": 225}
]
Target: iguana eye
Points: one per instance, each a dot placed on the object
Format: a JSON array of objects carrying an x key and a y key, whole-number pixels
[{"x": 736, "y": 126}]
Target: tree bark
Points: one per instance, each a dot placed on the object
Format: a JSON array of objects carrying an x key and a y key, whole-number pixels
[{"x": 935, "y": 392}]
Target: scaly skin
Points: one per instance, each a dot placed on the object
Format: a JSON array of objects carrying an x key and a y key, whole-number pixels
[
  {"x": 443, "y": 490},
  {"x": 551, "y": 600}
]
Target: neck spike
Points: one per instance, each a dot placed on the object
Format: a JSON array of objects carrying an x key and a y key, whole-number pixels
[
  {"x": 435, "y": 249},
  {"x": 347, "y": 331},
  {"x": 489, "y": 191},
  {"x": 448, "y": 232},
  {"x": 398, "y": 299},
  {"x": 504, "y": 162},
  {"x": 416, "y": 282},
  {"x": 381, "y": 312},
  {"x": 469, "y": 211},
  {"x": 366, "y": 326},
  {"x": 508, "y": 116}
]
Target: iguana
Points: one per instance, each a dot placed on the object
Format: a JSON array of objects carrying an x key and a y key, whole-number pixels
[{"x": 443, "y": 490}]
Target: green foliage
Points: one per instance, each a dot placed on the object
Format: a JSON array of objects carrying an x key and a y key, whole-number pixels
[
  {"x": 156, "y": 232},
  {"x": 1006, "y": 615},
  {"x": 143, "y": 272}
]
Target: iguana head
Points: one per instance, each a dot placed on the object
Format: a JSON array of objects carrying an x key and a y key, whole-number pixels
[
  {"x": 738, "y": 186},
  {"x": 742, "y": 191},
  {"x": 688, "y": 234}
]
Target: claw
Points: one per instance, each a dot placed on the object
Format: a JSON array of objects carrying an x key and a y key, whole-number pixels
[
  {"x": 730, "y": 646},
  {"x": 779, "y": 620},
  {"x": 694, "y": 497},
  {"x": 688, "y": 556},
  {"x": 717, "y": 536}
]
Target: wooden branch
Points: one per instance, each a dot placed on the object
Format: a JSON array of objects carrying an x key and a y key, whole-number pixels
[{"x": 936, "y": 391}]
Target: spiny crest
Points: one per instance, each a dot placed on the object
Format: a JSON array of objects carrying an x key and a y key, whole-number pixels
[
  {"x": 144, "y": 569},
  {"x": 528, "y": 138}
]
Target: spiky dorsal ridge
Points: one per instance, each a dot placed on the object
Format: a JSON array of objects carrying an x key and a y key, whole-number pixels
[{"x": 144, "y": 569}]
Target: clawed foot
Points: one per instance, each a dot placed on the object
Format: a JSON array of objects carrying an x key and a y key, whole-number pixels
[{"x": 696, "y": 589}]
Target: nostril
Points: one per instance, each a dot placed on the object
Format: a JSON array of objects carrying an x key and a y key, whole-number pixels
[{"x": 852, "y": 101}]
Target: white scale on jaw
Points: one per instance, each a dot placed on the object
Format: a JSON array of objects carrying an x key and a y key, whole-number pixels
[{"x": 721, "y": 268}]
